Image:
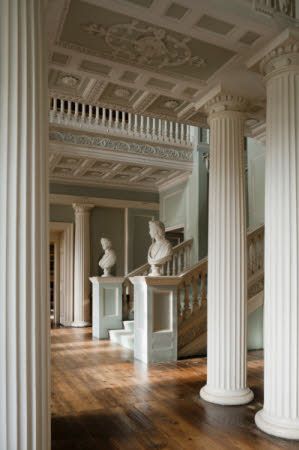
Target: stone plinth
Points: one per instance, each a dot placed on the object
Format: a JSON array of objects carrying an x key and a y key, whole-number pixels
[
  {"x": 155, "y": 316},
  {"x": 106, "y": 305}
]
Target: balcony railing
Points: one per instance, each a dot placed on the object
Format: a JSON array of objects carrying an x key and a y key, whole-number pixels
[
  {"x": 118, "y": 123},
  {"x": 270, "y": 7}
]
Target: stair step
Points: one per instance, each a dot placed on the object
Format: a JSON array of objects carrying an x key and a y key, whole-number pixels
[
  {"x": 129, "y": 325},
  {"x": 116, "y": 335},
  {"x": 127, "y": 341}
]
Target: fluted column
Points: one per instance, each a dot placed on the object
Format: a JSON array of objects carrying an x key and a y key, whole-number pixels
[
  {"x": 82, "y": 265},
  {"x": 280, "y": 415},
  {"x": 227, "y": 314},
  {"x": 24, "y": 302}
]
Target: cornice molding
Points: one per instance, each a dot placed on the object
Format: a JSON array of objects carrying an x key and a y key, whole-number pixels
[{"x": 70, "y": 200}]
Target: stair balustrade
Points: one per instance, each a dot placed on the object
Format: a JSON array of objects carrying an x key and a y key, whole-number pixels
[
  {"x": 192, "y": 294},
  {"x": 118, "y": 123}
]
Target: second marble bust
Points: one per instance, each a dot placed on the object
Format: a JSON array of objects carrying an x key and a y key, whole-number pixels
[{"x": 161, "y": 250}]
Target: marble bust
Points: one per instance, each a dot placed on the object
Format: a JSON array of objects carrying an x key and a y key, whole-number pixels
[
  {"x": 161, "y": 250},
  {"x": 108, "y": 260}
]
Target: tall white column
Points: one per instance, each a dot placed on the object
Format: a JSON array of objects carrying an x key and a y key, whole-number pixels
[
  {"x": 227, "y": 313},
  {"x": 82, "y": 265},
  {"x": 24, "y": 300},
  {"x": 280, "y": 415}
]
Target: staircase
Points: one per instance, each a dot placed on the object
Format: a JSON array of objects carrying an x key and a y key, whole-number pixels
[
  {"x": 192, "y": 295},
  {"x": 124, "y": 337}
]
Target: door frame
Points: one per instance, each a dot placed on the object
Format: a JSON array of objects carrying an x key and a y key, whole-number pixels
[{"x": 64, "y": 261}]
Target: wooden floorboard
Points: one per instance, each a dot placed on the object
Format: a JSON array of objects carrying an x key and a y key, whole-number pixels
[{"x": 102, "y": 399}]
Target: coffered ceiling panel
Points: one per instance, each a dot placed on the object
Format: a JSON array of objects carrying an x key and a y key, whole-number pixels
[
  {"x": 101, "y": 32},
  {"x": 166, "y": 106},
  {"x": 115, "y": 94}
]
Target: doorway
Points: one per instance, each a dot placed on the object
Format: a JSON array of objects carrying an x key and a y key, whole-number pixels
[{"x": 61, "y": 276}]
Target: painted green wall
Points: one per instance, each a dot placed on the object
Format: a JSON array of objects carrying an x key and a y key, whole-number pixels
[
  {"x": 139, "y": 238},
  {"x": 187, "y": 204},
  {"x": 110, "y": 223}
]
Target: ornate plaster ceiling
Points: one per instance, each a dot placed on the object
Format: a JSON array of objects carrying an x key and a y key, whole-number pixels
[
  {"x": 159, "y": 58},
  {"x": 132, "y": 54}
]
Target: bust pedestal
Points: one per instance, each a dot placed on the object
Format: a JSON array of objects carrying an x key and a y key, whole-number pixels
[
  {"x": 155, "y": 316},
  {"x": 106, "y": 305}
]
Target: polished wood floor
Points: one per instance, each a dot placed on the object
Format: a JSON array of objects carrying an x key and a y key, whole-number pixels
[{"x": 102, "y": 399}]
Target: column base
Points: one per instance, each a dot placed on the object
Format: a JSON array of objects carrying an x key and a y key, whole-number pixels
[
  {"x": 81, "y": 324},
  {"x": 226, "y": 397},
  {"x": 283, "y": 428}
]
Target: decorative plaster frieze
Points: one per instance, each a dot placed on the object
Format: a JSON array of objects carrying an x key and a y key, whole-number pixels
[
  {"x": 163, "y": 152},
  {"x": 143, "y": 44}
]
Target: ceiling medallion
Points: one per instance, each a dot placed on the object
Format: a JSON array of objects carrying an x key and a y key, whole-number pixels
[
  {"x": 136, "y": 42},
  {"x": 69, "y": 80},
  {"x": 122, "y": 93},
  {"x": 171, "y": 104}
]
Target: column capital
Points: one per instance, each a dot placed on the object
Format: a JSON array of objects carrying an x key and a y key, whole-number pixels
[
  {"x": 282, "y": 54},
  {"x": 81, "y": 208},
  {"x": 226, "y": 103},
  {"x": 282, "y": 58}
]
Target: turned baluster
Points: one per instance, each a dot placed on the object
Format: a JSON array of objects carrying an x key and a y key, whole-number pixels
[
  {"x": 176, "y": 132},
  {"x": 195, "y": 291},
  {"x": 110, "y": 119},
  {"x": 164, "y": 130},
  {"x": 76, "y": 111},
  {"x": 182, "y": 133},
  {"x": 103, "y": 116},
  {"x": 123, "y": 120},
  {"x": 69, "y": 108},
  {"x": 131, "y": 300},
  {"x": 55, "y": 105},
  {"x": 185, "y": 258},
  {"x": 168, "y": 268},
  {"x": 171, "y": 131},
  {"x": 129, "y": 122},
  {"x": 89, "y": 113},
  {"x": 203, "y": 287},
  {"x": 154, "y": 126},
  {"x": 181, "y": 262},
  {"x": 97, "y": 117},
  {"x": 135, "y": 123},
  {"x": 83, "y": 114},
  {"x": 141, "y": 124},
  {"x": 188, "y": 134},
  {"x": 173, "y": 265},
  {"x": 116, "y": 123},
  {"x": 160, "y": 129},
  {"x": 148, "y": 127},
  {"x": 179, "y": 305},
  {"x": 187, "y": 309},
  {"x": 62, "y": 107}
]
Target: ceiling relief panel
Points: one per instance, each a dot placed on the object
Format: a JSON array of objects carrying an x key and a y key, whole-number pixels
[{"x": 107, "y": 34}]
